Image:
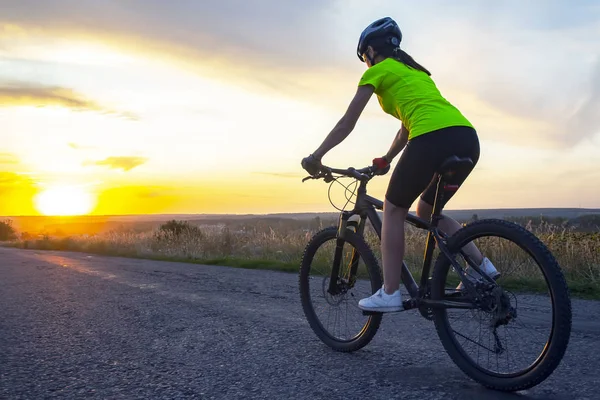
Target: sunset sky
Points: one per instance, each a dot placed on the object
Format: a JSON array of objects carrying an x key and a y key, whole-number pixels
[{"x": 209, "y": 106}]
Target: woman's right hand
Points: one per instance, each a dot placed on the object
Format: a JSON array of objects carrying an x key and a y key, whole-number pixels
[{"x": 381, "y": 162}]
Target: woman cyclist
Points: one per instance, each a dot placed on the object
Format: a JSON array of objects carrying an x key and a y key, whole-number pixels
[{"x": 431, "y": 130}]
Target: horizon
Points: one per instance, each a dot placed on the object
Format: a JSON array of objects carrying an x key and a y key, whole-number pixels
[
  {"x": 584, "y": 210},
  {"x": 206, "y": 109}
]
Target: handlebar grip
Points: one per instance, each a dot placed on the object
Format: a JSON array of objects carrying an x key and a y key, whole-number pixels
[{"x": 382, "y": 171}]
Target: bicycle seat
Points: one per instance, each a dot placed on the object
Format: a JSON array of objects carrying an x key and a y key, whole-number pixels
[{"x": 453, "y": 165}]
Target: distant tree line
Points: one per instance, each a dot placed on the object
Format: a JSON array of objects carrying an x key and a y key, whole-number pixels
[{"x": 583, "y": 223}]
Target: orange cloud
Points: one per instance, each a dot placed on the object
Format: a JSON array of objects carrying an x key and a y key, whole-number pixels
[
  {"x": 26, "y": 94},
  {"x": 124, "y": 163}
]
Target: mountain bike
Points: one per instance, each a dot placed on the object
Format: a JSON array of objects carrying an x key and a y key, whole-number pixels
[{"x": 352, "y": 272}]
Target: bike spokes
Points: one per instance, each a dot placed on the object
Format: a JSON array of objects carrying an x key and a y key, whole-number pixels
[
  {"x": 513, "y": 323},
  {"x": 337, "y": 309}
]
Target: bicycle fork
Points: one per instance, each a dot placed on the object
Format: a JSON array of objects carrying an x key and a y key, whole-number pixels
[{"x": 355, "y": 223}]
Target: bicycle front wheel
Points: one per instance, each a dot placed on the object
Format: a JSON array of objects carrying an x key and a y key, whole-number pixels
[
  {"x": 519, "y": 331},
  {"x": 336, "y": 318}
]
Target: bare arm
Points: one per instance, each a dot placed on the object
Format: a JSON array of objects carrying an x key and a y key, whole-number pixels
[
  {"x": 398, "y": 144},
  {"x": 347, "y": 123}
]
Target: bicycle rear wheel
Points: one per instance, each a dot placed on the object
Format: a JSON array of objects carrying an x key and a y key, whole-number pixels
[
  {"x": 336, "y": 319},
  {"x": 519, "y": 332}
]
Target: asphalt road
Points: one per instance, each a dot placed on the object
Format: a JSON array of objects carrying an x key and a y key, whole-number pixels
[{"x": 79, "y": 326}]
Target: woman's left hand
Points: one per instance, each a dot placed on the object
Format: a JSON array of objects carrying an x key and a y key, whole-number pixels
[{"x": 311, "y": 164}]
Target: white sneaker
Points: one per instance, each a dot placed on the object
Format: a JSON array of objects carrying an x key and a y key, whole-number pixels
[
  {"x": 487, "y": 267},
  {"x": 380, "y": 301}
]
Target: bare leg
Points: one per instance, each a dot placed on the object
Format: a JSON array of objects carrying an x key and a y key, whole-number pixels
[
  {"x": 449, "y": 226},
  {"x": 392, "y": 245}
]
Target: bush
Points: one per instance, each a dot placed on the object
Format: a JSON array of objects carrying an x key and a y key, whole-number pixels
[
  {"x": 178, "y": 228},
  {"x": 7, "y": 232}
]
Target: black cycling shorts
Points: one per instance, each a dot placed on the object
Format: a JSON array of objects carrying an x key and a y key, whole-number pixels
[{"x": 415, "y": 172}]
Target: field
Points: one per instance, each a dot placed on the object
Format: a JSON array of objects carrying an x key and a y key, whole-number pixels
[{"x": 278, "y": 243}]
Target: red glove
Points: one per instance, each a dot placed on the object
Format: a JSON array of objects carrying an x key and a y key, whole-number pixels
[{"x": 381, "y": 162}]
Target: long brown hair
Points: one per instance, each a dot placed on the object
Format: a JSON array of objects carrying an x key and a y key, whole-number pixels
[{"x": 381, "y": 46}]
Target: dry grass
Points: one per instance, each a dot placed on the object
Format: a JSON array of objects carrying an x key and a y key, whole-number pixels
[
  {"x": 282, "y": 247},
  {"x": 205, "y": 243}
]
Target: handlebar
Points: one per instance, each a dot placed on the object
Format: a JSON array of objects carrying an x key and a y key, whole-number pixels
[{"x": 366, "y": 173}]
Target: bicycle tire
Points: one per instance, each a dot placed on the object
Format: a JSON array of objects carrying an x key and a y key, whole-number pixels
[
  {"x": 559, "y": 293},
  {"x": 372, "y": 325}
]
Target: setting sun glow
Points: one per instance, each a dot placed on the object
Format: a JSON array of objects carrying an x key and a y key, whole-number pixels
[{"x": 64, "y": 200}]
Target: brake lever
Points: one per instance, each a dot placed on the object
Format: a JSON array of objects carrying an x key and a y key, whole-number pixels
[{"x": 327, "y": 177}]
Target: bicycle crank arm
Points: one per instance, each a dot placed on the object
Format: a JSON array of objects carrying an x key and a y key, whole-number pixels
[
  {"x": 447, "y": 304},
  {"x": 407, "y": 304}
]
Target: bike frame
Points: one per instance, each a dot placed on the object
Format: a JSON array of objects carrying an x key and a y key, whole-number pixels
[{"x": 366, "y": 207}]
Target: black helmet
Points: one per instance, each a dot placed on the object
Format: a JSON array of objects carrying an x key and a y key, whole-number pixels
[{"x": 382, "y": 27}]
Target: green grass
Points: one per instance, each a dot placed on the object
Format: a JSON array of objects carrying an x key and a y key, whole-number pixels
[
  {"x": 249, "y": 264},
  {"x": 224, "y": 261},
  {"x": 578, "y": 289}
]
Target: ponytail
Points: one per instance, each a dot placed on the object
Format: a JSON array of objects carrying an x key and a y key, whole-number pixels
[
  {"x": 400, "y": 55},
  {"x": 382, "y": 46}
]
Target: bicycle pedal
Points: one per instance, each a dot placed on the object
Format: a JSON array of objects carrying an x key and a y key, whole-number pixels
[{"x": 409, "y": 304}]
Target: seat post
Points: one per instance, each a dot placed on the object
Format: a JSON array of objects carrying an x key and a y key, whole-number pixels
[
  {"x": 447, "y": 172},
  {"x": 435, "y": 219},
  {"x": 436, "y": 213}
]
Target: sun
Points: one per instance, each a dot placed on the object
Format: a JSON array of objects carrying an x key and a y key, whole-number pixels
[{"x": 64, "y": 200}]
